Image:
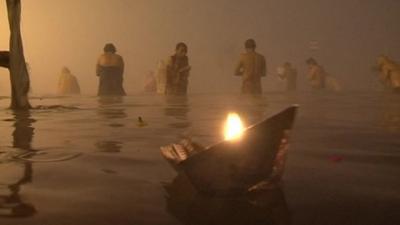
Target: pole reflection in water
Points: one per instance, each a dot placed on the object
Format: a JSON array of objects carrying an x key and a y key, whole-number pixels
[
  {"x": 266, "y": 207},
  {"x": 111, "y": 109},
  {"x": 17, "y": 172},
  {"x": 178, "y": 108}
]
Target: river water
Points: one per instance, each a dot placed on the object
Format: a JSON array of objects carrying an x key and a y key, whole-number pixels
[{"x": 343, "y": 165}]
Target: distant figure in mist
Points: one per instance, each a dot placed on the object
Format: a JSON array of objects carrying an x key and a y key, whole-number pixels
[
  {"x": 161, "y": 77},
  {"x": 177, "y": 71},
  {"x": 150, "y": 83},
  {"x": 67, "y": 83},
  {"x": 289, "y": 73},
  {"x": 319, "y": 78},
  {"x": 389, "y": 73},
  {"x": 251, "y": 67},
  {"x": 316, "y": 74},
  {"x": 110, "y": 69}
]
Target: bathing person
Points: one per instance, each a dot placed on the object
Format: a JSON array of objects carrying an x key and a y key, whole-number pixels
[
  {"x": 161, "y": 77},
  {"x": 289, "y": 73},
  {"x": 389, "y": 73},
  {"x": 110, "y": 70},
  {"x": 150, "y": 84},
  {"x": 177, "y": 70},
  {"x": 251, "y": 67},
  {"x": 316, "y": 74},
  {"x": 67, "y": 83}
]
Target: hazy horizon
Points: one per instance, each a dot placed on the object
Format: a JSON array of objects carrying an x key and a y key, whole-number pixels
[{"x": 351, "y": 34}]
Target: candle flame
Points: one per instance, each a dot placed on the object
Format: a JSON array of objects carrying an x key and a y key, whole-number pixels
[{"x": 233, "y": 127}]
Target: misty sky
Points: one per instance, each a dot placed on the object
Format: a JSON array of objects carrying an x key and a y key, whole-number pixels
[{"x": 350, "y": 33}]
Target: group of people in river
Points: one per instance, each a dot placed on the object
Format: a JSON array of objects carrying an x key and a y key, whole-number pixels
[{"x": 172, "y": 76}]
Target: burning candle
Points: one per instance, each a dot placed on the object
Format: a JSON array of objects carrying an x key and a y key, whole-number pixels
[{"x": 233, "y": 127}]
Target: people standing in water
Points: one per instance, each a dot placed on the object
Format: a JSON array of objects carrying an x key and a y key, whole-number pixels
[
  {"x": 67, "y": 83},
  {"x": 320, "y": 79},
  {"x": 150, "y": 83},
  {"x": 251, "y": 67},
  {"x": 177, "y": 70},
  {"x": 389, "y": 73},
  {"x": 110, "y": 70},
  {"x": 289, "y": 73},
  {"x": 316, "y": 74}
]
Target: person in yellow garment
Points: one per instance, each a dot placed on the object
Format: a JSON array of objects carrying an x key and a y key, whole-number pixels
[
  {"x": 67, "y": 83},
  {"x": 251, "y": 67},
  {"x": 389, "y": 73},
  {"x": 110, "y": 70}
]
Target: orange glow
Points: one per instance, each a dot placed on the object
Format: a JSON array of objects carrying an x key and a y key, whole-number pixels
[{"x": 233, "y": 127}]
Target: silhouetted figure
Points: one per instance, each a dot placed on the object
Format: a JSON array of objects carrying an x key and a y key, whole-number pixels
[
  {"x": 110, "y": 69},
  {"x": 178, "y": 71},
  {"x": 289, "y": 73},
  {"x": 316, "y": 74},
  {"x": 389, "y": 73},
  {"x": 251, "y": 67},
  {"x": 67, "y": 83}
]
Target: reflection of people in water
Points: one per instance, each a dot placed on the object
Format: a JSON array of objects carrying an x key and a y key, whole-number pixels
[
  {"x": 110, "y": 107},
  {"x": 110, "y": 70},
  {"x": 109, "y": 146},
  {"x": 391, "y": 114},
  {"x": 258, "y": 207},
  {"x": 67, "y": 83},
  {"x": 251, "y": 67},
  {"x": 178, "y": 108},
  {"x": 16, "y": 173},
  {"x": 113, "y": 114}
]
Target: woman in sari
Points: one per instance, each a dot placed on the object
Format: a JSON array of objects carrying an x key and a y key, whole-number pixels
[
  {"x": 110, "y": 69},
  {"x": 178, "y": 71}
]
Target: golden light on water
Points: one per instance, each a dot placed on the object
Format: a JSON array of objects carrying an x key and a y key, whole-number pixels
[{"x": 233, "y": 129}]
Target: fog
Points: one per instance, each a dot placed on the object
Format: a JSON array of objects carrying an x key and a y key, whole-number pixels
[{"x": 350, "y": 35}]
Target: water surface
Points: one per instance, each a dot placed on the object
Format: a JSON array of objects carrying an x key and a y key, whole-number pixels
[{"x": 343, "y": 165}]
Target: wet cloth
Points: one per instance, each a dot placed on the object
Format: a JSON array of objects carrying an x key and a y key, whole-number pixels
[
  {"x": 110, "y": 70},
  {"x": 110, "y": 80},
  {"x": 177, "y": 75}
]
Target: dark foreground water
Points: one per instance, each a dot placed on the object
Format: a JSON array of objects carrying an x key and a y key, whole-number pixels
[{"x": 343, "y": 165}]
